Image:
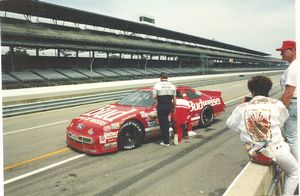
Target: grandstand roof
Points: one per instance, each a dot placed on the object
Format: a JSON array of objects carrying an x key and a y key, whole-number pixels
[
  {"x": 56, "y": 12},
  {"x": 20, "y": 33}
]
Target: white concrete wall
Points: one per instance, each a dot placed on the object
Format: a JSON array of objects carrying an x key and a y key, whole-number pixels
[{"x": 254, "y": 179}]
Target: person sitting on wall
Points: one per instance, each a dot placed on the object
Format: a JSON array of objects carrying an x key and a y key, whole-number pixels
[{"x": 259, "y": 123}]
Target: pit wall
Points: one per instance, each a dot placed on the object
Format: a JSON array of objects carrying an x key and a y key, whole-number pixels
[{"x": 255, "y": 179}]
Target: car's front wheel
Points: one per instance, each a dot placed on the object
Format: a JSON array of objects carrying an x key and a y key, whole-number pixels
[
  {"x": 207, "y": 116},
  {"x": 131, "y": 135}
]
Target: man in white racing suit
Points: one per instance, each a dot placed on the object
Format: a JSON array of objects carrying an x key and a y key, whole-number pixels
[{"x": 259, "y": 123}]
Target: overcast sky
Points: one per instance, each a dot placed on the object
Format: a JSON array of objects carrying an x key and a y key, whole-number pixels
[{"x": 255, "y": 24}]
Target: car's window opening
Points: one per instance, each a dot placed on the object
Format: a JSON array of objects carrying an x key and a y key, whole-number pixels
[
  {"x": 192, "y": 94},
  {"x": 138, "y": 98}
]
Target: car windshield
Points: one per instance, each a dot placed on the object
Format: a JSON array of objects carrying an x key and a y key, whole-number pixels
[{"x": 138, "y": 98}]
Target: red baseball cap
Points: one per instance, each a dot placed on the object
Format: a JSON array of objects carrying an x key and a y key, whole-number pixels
[{"x": 287, "y": 45}]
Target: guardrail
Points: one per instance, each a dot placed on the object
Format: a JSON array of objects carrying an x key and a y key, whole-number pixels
[
  {"x": 19, "y": 109},
  {"x": 26, "y": 108}
]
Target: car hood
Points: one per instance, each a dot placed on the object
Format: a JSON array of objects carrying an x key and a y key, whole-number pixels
[{"x": 106, "y": 118}]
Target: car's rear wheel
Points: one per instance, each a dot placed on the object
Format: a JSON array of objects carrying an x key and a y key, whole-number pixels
[
  {"x": 206, "y": 116},
  {"x": 131, "y": 135}
]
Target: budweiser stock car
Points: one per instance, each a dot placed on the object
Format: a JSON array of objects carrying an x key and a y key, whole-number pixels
[{"x": 133, "y": 120}]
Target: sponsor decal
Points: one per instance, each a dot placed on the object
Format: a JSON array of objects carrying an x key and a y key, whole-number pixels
[
  {"x": 102, "y": 139},
  {"x": 93, "y": 120},
  {"x": 110, "y": 135},
  {"x": 106, "y": 128},
  {"x": 80, "y": 126},
  {"x": 90, "y": 131},
  {"x": 111, "y": 145},
  {"x": 111, "y": 140},
  {"x": 115, "y": 125},
  {"x": 151, "y": 123},
  {"x": 108, "y": 113},
  {"x": 144, "y": 114},
  {"x": 200, "y": 105}
]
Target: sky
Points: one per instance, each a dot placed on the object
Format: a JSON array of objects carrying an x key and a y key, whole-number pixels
[{"x": 259, "y": 25}]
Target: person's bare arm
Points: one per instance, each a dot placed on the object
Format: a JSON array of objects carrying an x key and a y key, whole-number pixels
[{"x": 287, "y": 95}]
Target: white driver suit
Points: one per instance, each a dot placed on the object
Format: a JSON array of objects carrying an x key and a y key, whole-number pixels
[{"x": 262, "y": 119}]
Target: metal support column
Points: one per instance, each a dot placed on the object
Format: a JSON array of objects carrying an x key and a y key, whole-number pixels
[
  {"x": 12, "y": 54},
  {"x": 92, "y": 57}
]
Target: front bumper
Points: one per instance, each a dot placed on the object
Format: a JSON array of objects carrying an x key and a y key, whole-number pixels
[{"x": 89, "y": 145}]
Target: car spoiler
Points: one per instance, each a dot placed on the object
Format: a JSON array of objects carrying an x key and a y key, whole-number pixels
[{"x": 212, "y": 93}]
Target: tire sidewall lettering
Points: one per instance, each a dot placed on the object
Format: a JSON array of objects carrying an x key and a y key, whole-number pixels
[{"x": 138, "y": 128}]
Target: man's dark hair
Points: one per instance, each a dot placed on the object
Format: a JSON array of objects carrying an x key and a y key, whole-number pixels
[
  {"x": 260, "y": 85},
  {"x": 163, "y": 75}
]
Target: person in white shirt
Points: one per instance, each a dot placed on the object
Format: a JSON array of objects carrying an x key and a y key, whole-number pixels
[
  {"x": 259, "y": 123},
  {"x": 288, "y": 82},
  {"x": 165, "y": 93}
]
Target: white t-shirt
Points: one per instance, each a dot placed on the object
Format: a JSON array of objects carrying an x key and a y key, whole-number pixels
[
  {"x": 260, "y": 119},
  {"x": 289, "y": 77},
  {"x": 164, "y": 88}
]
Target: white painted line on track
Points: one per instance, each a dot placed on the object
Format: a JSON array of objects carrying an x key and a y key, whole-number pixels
[
  {"x": 43, "y": 169},
  {"x": 30, "y": 128}
]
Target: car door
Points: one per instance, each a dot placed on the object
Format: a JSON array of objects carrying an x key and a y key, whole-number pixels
[{"x": 194, "y": 98}]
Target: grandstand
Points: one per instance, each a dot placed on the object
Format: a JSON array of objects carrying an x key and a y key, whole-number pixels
[{"x": 48, "y": 44}]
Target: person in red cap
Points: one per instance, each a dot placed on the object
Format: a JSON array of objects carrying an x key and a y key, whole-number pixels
[
  {"x": 259, "y": 124},
  {"x": 288, "y": 82}
]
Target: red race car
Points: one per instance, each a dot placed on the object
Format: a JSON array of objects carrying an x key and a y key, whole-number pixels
[{"x": 133, "y": 120}]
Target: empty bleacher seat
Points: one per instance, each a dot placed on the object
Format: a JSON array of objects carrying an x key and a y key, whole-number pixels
[
  {"x": 52, "y": 76},
  {"x": 89, "y": 73},
  {"x": 145, "y": 72},
  {"x": 28, "y": 78},
  {"x": 74, "y": 75},
  {"x": 9, "y": 82},
  {"x": 154, "y": 70},
  {"x": 107, "y": 73},
  {"x": 120, "y": 72},
  {"x": 132, "y": 72}
]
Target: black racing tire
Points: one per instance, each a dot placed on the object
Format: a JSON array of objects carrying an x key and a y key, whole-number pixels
[
  {"x": 206, "y": 116},
  {"x": 131, "y": 135}
]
